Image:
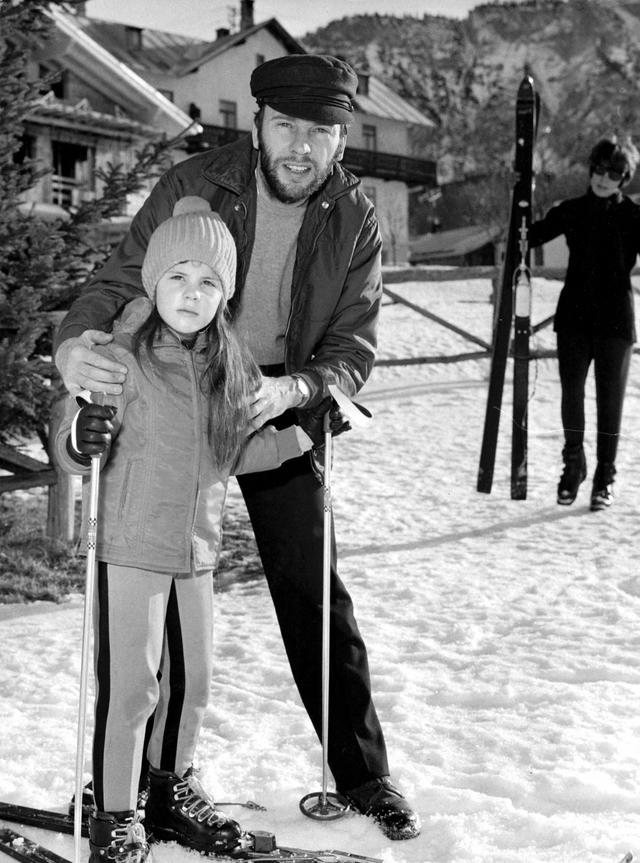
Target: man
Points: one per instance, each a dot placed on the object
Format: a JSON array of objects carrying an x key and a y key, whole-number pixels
[{"x": 309, "y": 288}]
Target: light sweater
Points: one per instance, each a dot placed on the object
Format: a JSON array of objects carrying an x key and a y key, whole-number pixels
[{"x": 262, "y": 319}]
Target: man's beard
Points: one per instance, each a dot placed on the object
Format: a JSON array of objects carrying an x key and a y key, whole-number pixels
[{"x": 291, "y": 193}]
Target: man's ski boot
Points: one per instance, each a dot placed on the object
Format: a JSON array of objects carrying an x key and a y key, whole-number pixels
[
  {"x": 574, "y": 473},
  {"x": 117, "y": 836},
  {"x": 602, "y": 490},
  {"x": 180, "y": 810}
]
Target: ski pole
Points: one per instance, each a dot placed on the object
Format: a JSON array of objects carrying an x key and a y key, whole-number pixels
[
  {"x": 325, "y": 806},
  {"x": 326, "y": 602},
  {"x": 84, "y": 661}
]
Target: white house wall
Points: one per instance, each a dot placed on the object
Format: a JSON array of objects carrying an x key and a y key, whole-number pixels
[
  {"x": 226, "y": 76},
  {"x": 391, "y": 135},
  {"x": 392, "y": 209}
]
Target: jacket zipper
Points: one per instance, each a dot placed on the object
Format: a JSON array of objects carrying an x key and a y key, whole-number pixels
[
  {"x": 198, "y": 449},
  {"x": 326, "y": 206}
]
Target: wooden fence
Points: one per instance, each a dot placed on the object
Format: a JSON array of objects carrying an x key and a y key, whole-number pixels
[
  {"x": 26, "y": 472},
  {"x": 450, "y": 274}
]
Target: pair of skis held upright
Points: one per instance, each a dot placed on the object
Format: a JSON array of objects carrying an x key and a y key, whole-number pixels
[{"x": 513, "y": 306}]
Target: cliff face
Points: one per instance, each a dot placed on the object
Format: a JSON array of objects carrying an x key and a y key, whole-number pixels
[{"x": 584, "y": 56}]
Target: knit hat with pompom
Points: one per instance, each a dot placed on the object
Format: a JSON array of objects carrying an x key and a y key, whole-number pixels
[{"x": 193, "y": 233}]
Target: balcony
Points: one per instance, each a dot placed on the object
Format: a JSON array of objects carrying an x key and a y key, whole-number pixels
[
  {"x": 363, "y": 163},
  {"x": 388, "y": 166}
]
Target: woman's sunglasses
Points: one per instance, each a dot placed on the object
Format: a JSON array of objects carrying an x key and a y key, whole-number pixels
[{"x": 614, "y": 176}]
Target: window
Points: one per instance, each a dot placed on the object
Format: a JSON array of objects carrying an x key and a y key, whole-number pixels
[
  {"x": 363, "y": 83},
  {"x": 133, "y": 38},
  {"x": 58, "y": 83},
  {"x": 26, "y": 150},
  {"x": 71, "y": 173},
  {"x": 229, "y": 114},
  {"x": 369, "y": 137}
]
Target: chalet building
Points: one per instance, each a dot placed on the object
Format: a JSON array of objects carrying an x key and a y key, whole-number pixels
[
  {"x": 97, "y": 111},
  {"x": 209, "y": 83}
]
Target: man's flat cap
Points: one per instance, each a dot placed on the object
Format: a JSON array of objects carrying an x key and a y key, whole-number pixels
[{"x": 313, "y": 87}]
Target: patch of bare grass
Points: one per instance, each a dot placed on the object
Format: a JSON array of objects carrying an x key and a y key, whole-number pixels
[{"x": 34, "y": 566}]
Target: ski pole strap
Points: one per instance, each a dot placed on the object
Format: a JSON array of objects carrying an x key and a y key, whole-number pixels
[{"x": 358, "y": 415}]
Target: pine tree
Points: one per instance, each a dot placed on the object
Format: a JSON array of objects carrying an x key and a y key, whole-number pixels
[{"x": 43, "y": 265}]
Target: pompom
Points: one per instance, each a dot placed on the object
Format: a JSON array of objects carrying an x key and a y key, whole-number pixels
[{"x": 191, "y": 204}]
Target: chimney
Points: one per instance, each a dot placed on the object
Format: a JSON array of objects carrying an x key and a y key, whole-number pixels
[{"x": 246, "y": 14}]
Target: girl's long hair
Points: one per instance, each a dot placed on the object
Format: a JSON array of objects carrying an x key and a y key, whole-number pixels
[{"x": 229, "y": 378}]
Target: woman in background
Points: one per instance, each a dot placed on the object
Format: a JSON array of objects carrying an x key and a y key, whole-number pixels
[{"x": 594, "y": 320}]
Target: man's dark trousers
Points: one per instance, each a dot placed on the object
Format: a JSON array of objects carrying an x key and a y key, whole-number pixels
[{"x": 286, "y": 509}]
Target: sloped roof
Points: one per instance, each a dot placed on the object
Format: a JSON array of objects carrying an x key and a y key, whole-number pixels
[
  {"x": 89, "y": 59},
  {"x": 223, "y": 44},
  {"x": 447, "y": 244},
  {"x": 162, "y": 52},
  {"x": 158, "y": 52},
  {"x": 381, "y": 101}
]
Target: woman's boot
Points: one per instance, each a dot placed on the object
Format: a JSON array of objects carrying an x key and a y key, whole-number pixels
[
  {"x": 574, "y": 473},
  {"x": 602, "y": 490}
]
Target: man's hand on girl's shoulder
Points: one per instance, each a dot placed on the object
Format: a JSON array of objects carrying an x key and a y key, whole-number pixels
[{"x": 82, "y": 368}]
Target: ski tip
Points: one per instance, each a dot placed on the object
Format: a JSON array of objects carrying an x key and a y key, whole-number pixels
[
  {"x": 628, "y": 857},
  {"x": 526, "y": 89}
]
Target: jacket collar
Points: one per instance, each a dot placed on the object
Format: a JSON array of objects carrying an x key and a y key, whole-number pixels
[{"x": 615, "y": 198}]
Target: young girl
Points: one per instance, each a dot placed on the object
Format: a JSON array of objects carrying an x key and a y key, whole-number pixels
[
  {"x": 594, "y": 321},
  {"x": 168, "y": 445}
]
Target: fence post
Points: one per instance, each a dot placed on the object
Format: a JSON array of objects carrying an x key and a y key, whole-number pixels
[
  {"x": 60, "y": 501},
  {"x": 495, "y": 301}
]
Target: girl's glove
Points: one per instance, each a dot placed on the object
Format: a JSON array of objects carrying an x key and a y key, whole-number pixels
[{"x": 90, "y": 432}]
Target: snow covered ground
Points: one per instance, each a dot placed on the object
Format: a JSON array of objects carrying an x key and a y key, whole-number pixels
[{"x": 503, "y": 635}]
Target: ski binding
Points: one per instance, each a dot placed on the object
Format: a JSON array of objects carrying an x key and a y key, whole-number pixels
[{"x": 258, "y": 845}]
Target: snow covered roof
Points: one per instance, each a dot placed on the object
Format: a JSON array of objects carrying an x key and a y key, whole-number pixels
[
  {"x": 143, "y": 48},
  {"x": 159, "y": 52},
  {"x": 97, "y": 65},
  {"x": 382, "y": 101}
]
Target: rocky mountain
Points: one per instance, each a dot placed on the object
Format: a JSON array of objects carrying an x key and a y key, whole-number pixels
[{"x": 584, "y": 56}]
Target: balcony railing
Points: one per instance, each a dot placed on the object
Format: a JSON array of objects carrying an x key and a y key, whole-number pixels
[
  {"x": 363, "y": 163},
  {"x": 388, "y": 166},
  {"x": 64, "y": 191}
]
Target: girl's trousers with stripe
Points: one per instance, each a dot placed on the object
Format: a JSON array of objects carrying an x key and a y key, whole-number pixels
[{"x": 153, "y": 656}]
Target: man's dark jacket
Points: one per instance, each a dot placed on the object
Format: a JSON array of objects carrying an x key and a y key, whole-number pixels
[
  {"x": 337, "y": 281},
  {"x": 603, "y": 236}
]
